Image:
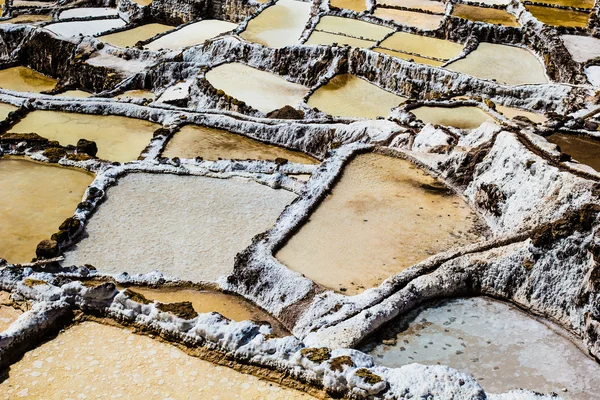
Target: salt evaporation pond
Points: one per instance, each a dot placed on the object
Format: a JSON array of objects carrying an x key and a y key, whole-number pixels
[
  {"x": 259, "y": 89},
  {"x": 569, "y": 3},
  {"x": 458, "y": 117},
  {"x": 499, "y": 345},
  {"x": 186, "y": 226},
  {"x": 36, "y": 198},
  {"x": 27, "y": 19},
  {"x": 353, "y": 28},
  {"x": 118, "y": 138},
  {"x": 85, "y": 28},
  {"x": 506, "y": 64},
  {"x": 559, "y": 17},
  {"x": 354, "y": 5},
  {"x": 191, "y": 35},
  {"x": 211, "y": 144},
  {"x": 582, "y": 48},
  {"x": 6, "y": 109},
  {"x": 583, "y": 149},
  {"x": 410, "y": 57},
  {"x": 421, "y": 46},
  {"x": 510, "y": 113},
  {"x": 489, "y": 15},
  {"x": 410, "y": 18},
  {"x": 136, "y": 94},
  {"x": 328, "y": 39},
  {"x": 279, "y": 25},
  {"x": 78, "y": 94},
  {"x": 130, "y": 37},
  {"x": 383, "y": 216},
  {"x": 24, "y": 79},
  {"x": 8, "y": 314},
  {"x": 428, "y": 5},
  {"x": 91, "y": 360},
  {"x": 367, "y": 100},
  {"x": 88, "y": 12}
]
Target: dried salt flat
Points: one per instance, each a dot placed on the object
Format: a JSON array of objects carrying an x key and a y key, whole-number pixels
[
  {"x": 23, "y": 79},
  {"x": 582, "y": 48},
  {"x": 130, "y": 37},
  {"x": 260, "y": 89},
  {"x": 27, "y": 19},
  {"x": 186, "y": 226},
  {"x": 192, "y": 34},
  {"x": 88, "y": 12},
  {"x": 279, "y": 25},
  {"x": 33, "y": 3},
  {"x": 410, "y": 18},
  {"x": 36, "y": 198},
  {"x": 93, "y": 360},
  {"x": 121, "y": 65},
  {"x": 8, "y": 314},
  {"x": 500, "y": 346},
  {"x": 85, "y": 28},
  {"x": 593, "y": 74},
  {"x": 458, "y": 117}
]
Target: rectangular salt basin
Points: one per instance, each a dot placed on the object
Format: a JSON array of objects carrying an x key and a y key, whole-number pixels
[
  {"x": 489, "y": 15},
  {"x": 259, "y": 89},
  {"x": 190, "y": 227},
  {"x": 211, "y": 144},
  {"x": 347, "y": 95},
  {"x": 568, "y": 3},
  {"x": 354, "y": 5},
  {"x": 279, "y": 25},
  {"x": 353, "y": 27},
  {"x": 422, "y": 45},
  {"x": 582, "y": 48},
  {"x": 118, "y": 138},
  {"x": 130, "y": 37},
  {"x": 36, "y": 198},
  {"x": 192, "y": 34},
  {"x": 93, "y": 360},
  {"x": 6, "y": 109},
  {"x": 27, "y": 19},
  {"x": 23, "y": 79},
  {"x": 405, "y": 56},
  {"x": 458, "y": 117},
  {"x": 324, "y": 38},
  {"x": 85, "y": 28},
  {"x": 428, "y": 5},
  {"x": 510, "y": 113},
  {"x": 410, "y": 18},
  {"x": 88, "y": 12},
  {"x": 583, "y": 149},
  {"x": 558, "y": 17},
  {"x": 381, "y": 217}
]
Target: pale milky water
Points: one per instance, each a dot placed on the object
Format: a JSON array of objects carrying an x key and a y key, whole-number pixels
[
  {"x": 422, "y": 45},
  {"x": 489, "y": 15},
  {"x": 74, "y": 93},
  {"x": 383, "y": 216},
  {"x": 368, "y": 100},
  {"x": 6, "y": 109},
  {"x": 131, "y": 36},
  {"x": 324, "y": 38},
  {"x": 557, "y": 17},
  {"x": 8, "y": 314},
  {"x": 27, "y": 19},
  {"x": 136, "y": 94},
  {"x": 211, "y": 144},
  {"x": 429, "y": 5},
  {"x": 192, "y": 34},
  {"x": 581, "y": 148},
  {"x": 353, "y": 27},
  {"x": 118, "y": 138},
  {"x": 259, "y": 89},
  {"x": 458, "y": 117},
  {"x": 88, "y": 12},
  {"x": 582, "y": 48},
  {"x": 279, "y": 25},
  {"x": 506, "y": 64},
  {"x": 190, "y": 227},
  {"x": 405, "y": 56},
  {"x": 85, "y": 28},
  {"x": 36, "y": 198},
  {"x": 354, "y": 5},
  {"x": 510, "y": 113},
  {"x": 24, "y": 79},
  {"x": 410, "y": 18},
  {"x": 91, "y": 360},
  {"x": 499, "y": 345}
]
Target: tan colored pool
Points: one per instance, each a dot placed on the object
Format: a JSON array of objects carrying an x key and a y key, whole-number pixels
[
  {"x": 27, "y": 19},
  {"x": 354, "y": 5},
  {"x": 130, "y": 37},
  {"x": 36, "y": 199},
  {"x": 92, "y": 360},
  {"x": 324, "y": 38},
  {"x": 8, "y": 314},
  {"x": 80, "y": 94},
  {"x": 259, "y": 89},
  {"x": 458, "y": 117},
  {"x": 118, "y": 138},
  {"x": 559, "y": 17},
  {"x": 383, "y": 216},
  {"x": 428, "y": 5},
  {"x": 581, "y": 148},
  {"x": 211, "y": 144},
  {"x": 422, "y": 45},
  {"x": 405, "y": 56},
  {"x": 192, "y": 34},
  {"x": 352, "y": 27},
  {"x": 568, "y": 3},
  {"x": 6, "y": 109},
  {"x": 23, "y": 79},
  {"x": 410, "y": 18},
  {"x": 489, "y": 15},
  {"x": 510, "y": 113}
]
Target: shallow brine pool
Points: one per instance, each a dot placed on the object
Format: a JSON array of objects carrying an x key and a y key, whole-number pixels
[{"x": 23, "y": 79}]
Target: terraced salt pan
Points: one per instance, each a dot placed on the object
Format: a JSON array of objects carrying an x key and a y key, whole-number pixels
[
  {"x": 352, "y": 27},
  {"x": 74, "y": 93},
  {"x": 557, "y": 17},
  {"x": 410, "y": 57},
  {"x": 422, "y": 45},
  {"x": 27, "y": 19},
  {"x": 118, "y": 138},
  {"x": 510, "y": 113},
  {"x": 428, "y": 5},
  {"x": 593, "y": 74},
  {"x": 410, "y": 18},
  {"x": 491, "y": 2},
  {"x": 130, "y": 37},
  {"x": 32, "y": 3},
  {"x": 279, "y": 25},
  {"x": 93, "y": 360},
  {"x": 354, "y": 5},
  {"x": 8, "y": 314},
  {"x": 143, "y": 2},
  {"x": 568, "y": 3},
  {"x": 85, "y": 28},
  {"x": 192, "y": 34},
  {"x": 583, "y": 149},
  {"x": 324, "y": 38},
  {"x": 6, "y": 109},
  {"x": 582, "y": 48},
  {"x": 186, "y": 226},
  {"x": 88, "y": 12},
  {"x": 367, "y": 100},
  {"x": 383, "y": 216},
  {"x": 458, "y": 117},
  {"x": 24, "y": 79},
  {"x": 500, "y": 346},
  {"x": 259, "y": 89},
  {"x": 36, "y": 198},
  {"x": 489, "y": 15},
  {"x": 137, "y": 94},
  {"x": 505, "y": 64},
  {"x": 211, "y": 144}
]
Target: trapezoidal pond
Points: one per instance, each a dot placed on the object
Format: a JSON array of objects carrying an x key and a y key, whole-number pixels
[
  {"x": 130, "y": 37},
  {"x": 36, "y": 198},
  {"x": 583, "y": 149},
  {"x": 190, "y": 227},
  {"x": 25, "y": 79},
  {"x": 382, "y": 216},
  {"x": 95, "y": 360},
  {"x": 458, "y": 117},
  {"x": 192, "y": 34},
  {"x": 500, "y": 346}
]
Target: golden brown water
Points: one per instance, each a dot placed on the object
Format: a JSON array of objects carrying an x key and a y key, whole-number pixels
[
  {"x": 80, "y": 94},
  {"x": 458, "y": 117},
  {"x": 136, "y": 94},
  {"x": 233, "y": 307},
  {"x": 352, "y": 27},
  {"x": 24, "y": 79},
  {"x": 324, "y": 38},
  {"x": 118, "y": 138},
  {"x": 506, "y": 64},
  {"x": 428, "y": 5},
  {"x": 259, "y": 89},
  {"x": 27, "y": 19},
  {"x": 489, "y": 15},
  {"x": 404, "y": 56},
  {"x": 143, "y": 2},
  {"x": 8, "y": 314},
  {"x": 557, "y": 17},
  {"x": 410, "y": 18},
  {"x": 279, "y": 25},
  {"x": 354, "y": 5},
  {"x": 36, "y": 198},
  {"x": 568, "y": 3},
  {"x": 422, "y": 45},
  {"x": 92, "y": 360},
  {"x": 510, "y": 113},
  {"x": 192, "y": 34},
  {"x": 581, "y": 148},
  {"x": 383, "y": 216},
  {"x": 347, "y": 95},
  {"x": 6, "y": 109},
  {"x": 211, "y": 144},
  {"x": 132, "y": 36}
]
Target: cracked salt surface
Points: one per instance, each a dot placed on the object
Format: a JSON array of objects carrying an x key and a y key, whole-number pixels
[{"x": 185, "y": 226}]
